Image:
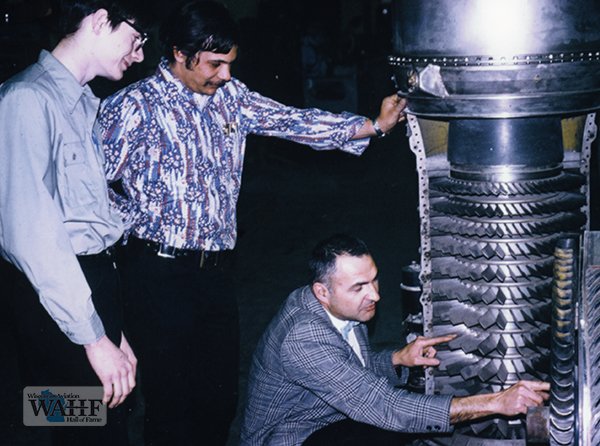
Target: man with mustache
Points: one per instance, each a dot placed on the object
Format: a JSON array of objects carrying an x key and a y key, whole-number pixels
[
  {"x": 315, "y": 380},
  {"x": 176, "y": 141}
]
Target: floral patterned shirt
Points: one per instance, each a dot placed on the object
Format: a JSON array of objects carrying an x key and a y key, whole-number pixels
[{"x": 180, "y": 154}]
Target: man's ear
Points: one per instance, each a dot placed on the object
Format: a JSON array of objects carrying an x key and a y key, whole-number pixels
[
  {"x": 179, "y": 56},
  {"x": 100, "y": 20},
  {"x": 321, "y": 292}
]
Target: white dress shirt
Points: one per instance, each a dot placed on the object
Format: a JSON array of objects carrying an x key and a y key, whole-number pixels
[{"x": 339, "y": 325}]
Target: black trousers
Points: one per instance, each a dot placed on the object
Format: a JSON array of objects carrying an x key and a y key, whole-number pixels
[
  {"x": 183, "y": 322},
  {"x": 44, "y": 356},
  {"x": 353, "y": 433}
]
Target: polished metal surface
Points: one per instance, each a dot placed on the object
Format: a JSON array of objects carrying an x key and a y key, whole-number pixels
[
  {"x": 501, "y": 99},
  {"x": 488, "y": 235},
  {"x": 489, "y": 269},
  {"x": 492, "y": 263},
  {"x": 497, "y": 59},
  {"x": 498, "y": 28}
]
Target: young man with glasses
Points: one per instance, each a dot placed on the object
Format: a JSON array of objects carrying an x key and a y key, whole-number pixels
[
  {"x": 141, "y": 38},
  {"x": 56, "y": 225}
]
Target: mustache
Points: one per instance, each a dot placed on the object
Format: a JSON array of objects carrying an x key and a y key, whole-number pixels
[{"x": 214, "y": 84}]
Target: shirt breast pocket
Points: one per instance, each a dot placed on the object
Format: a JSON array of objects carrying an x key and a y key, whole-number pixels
[{"x": 81, "y": 183}]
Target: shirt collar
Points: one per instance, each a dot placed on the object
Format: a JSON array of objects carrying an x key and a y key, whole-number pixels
[
  {"x": 176, "y": 88},
  {"x": 339, "y": 324},
  {"x": 71, "y": 91}
]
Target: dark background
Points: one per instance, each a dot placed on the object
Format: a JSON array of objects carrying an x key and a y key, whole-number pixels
[{"x": 325, "y": 53}]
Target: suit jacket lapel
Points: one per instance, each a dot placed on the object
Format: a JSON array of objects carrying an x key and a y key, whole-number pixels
[
  {"x": 362, "y": 336},
  {"x": 361, "y": 332}
]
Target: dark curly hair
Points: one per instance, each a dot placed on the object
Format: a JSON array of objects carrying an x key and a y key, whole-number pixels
[{"x": 198, "y": 26}]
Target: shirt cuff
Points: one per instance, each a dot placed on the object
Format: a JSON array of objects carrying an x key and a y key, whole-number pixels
[
  {"x": 86, "y": 332},
  {"x": 356, "y": 146}
]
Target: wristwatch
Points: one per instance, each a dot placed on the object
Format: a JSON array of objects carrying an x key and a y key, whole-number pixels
[{"x": 380, "y": 133}]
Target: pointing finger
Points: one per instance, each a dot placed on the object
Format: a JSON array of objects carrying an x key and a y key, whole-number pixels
[
  {"x": 427, "y": 362},
  {"x": 438, "y": 340}
]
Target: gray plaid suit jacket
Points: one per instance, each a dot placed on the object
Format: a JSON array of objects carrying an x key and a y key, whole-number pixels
[{"x": 304, "y": 376}]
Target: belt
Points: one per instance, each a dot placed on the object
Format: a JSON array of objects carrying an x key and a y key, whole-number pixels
[{"x": 205, "y": 259}]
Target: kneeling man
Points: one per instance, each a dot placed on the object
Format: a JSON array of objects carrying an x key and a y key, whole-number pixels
[{"x": 315, "y": 380}]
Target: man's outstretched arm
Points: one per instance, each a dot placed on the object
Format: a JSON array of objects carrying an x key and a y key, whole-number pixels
[{"x": 510, "y": 402}]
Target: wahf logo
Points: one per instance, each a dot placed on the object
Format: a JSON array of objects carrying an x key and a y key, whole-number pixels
[{"x": 63, "y": 406}]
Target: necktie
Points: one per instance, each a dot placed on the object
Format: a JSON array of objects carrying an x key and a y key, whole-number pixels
[{"x": 346, "y": 329}]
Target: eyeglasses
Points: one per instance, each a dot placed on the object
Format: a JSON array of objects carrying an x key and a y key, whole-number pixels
[{"x": 143, "y": 37}]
